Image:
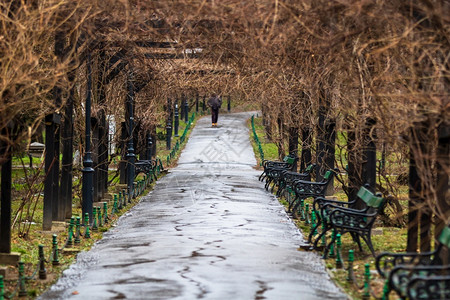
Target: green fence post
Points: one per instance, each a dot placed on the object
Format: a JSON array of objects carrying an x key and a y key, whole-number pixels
[
  {"x": 324, "y": 237},
  {"x": 22, "y": 289},
  {"x": 105, "y": 212},
  {"x": 55, "y": 258},
  {"x": 87, "y": 233},
  {"x": 99, "y": 216},
  {"x": 366, "y": 294},
  {"x": 114, "y": 209},
  {"x": 120, "y": 200},
  {"x": 2, "y": 288},
  {"x": 94, "y": 217},
  {"x": 77, "y": 231},
  {"x": 124, "y": 198},
  {"x": 313, "y": 223},
  {"x": 307, "y": 221},
  {"x": 338, "y": 251},
  {"x": 351, "y": 259},
  {"x": 70, "y": 233},
  {"x": 386, "y": 290},
  {"x": 42, "y": 270},
  {"x": 333, "y": 235},
  {"x": 302, "y": 210}
]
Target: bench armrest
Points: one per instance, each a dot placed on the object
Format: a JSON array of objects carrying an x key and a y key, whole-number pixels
[
  {"x": 301, "y": 182},
  {"x": 320, "y": 201}
]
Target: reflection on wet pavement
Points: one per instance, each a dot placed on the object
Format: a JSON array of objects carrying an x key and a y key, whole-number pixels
[{"x": 208, "y": 230}]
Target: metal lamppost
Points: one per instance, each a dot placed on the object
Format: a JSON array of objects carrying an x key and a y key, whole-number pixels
[
  {"x": 168, "y": 134},
  {"x": 186, "y": 110},
  {"x": 88, "y": 171},
  {"x": 177, "y": 120},
  {"x": 131, "y": 157},
  {"x": 5, "y": 194},
  {"x": 149, "y": 146},
  {"x": 196, "y": 104}
]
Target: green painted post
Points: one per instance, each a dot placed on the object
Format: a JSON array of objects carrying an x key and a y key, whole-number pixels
[
  {"x": 338, "y": 251},
  {"x": 87, "y": 234},
  {"x": 324, "y": 238},
  {"x": 94, "y": 217},
  {"x": 351, "y": 259},
  {"x": 55, "y": 258},
  {"x": 124, "y": 198},
  {"x": 2, "y": 288},
  {"x": 22, "y": 289},
  {"x": 120, "y": 200},
  {"x": 307, "y": 221},
  {"x": 105, "y": 212},
  {"x": 78, "y": 231},
  {"x": 313, "y": 222},
  {"x": 70, "y": 233},
  {"x": 386, "y": 290},
  {"x": 366, "y": 294},
  {"x": 333, "y": 235},
  {"x": 99, "y": 216},
  {"x": 302, "y": 210},
  {"x": 114, "y": 209},
  {"x": 42, "y": 270}
]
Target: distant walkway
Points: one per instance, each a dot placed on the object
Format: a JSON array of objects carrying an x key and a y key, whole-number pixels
[{"x": 208, "y": 230}]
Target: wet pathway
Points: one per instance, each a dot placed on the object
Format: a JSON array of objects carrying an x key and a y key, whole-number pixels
[{"x": 208, "y": 230}]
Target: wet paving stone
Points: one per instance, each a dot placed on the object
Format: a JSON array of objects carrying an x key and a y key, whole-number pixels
[{"x": 208, "y": 230}]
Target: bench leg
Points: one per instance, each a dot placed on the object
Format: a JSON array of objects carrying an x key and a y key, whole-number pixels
[
  {"x": 273, "y": 186},
  {"x": 280, "y": 189},
  {"x": 355, "y": 237},
  {"x": 326, "y": 229},
  {"x": 366, "y": 237},
  {"x": 291, "y": 204},
  {"x": 327, "y": 248},
  {"x": 262, "y": 176},
  {"x": 268, "y": 182}
]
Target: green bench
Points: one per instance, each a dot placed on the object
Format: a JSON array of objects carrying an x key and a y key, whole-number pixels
[
  {"x": 418, "y": 275},
  {"x": 357, "y": 222},
  {"x": 273, "y": 169}
]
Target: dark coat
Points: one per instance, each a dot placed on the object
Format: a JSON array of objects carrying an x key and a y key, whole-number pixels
[{"x": 215, "y": 102}]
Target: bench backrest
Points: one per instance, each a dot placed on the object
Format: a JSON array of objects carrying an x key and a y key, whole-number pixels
[{"x": 369, "y": 198}]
